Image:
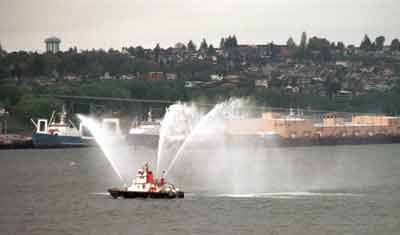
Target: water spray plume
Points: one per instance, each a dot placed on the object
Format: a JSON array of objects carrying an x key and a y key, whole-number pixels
[
  {"x": 228, "y": 109},
  {"x": 104, "y": 139},
  {"x": 178, "y": 121}
]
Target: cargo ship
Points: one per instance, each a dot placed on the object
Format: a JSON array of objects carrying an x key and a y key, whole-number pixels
[
  {"x": 147, "y": 134},
  {"x": 274, "y": 129},
  {"x": 285, "y": 130},
  {"x": 57, "y": 132},
  {"x": 60, "y": 132}
]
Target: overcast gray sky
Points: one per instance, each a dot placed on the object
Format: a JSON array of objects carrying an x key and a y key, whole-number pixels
[{"x": 115, "y": 23}]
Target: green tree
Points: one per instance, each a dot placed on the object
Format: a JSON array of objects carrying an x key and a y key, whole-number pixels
[
  {"x": 332, "y": 87},
  {"x": 395, "y": 45},
  {"x": 321, "y": 46},
  {"x": 157, "y": 51},
  {"x": 51, "y": 64},
  {"x": 32, "y": 106},
  {"x": 180, "y": 45},
  {"x": 234, "y": 41},
  {"x": 303, "y": 40},
  {"x": 341, "y": 46},
  {"x": 222, "y": 43},
  {"x": 379, "y": 42},
  {"x": 366, "y": 44},
  {"x": 203, "y": 45},
  {"x": 191, "y": 46},
  {"x": 291, "y": 43},
  {"x": 138, "y": 52},
  {"x": 211, "y": 50},
  {"x": 2, "y": 52},
  {"x": 10, "y": 94},
  {"x": 301, "y": 52},
  {"x": 230, "y": 42}
]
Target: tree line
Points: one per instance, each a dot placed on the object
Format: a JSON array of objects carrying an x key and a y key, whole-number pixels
[
  {"x": 26, "y": 102},
  {"x": 94, "y": 63}
]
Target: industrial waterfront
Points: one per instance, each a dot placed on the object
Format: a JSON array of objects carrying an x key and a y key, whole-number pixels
[{"x": 250, "y": 125}]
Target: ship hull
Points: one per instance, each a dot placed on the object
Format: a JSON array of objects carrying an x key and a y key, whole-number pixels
[
  {"x": 57, "y": 141},
  {"x": 277, "y": 141},
  {"x": 26, "y": 144},
  {"x": 273, "y": 141},
  {"x": 115, "y": 193}
]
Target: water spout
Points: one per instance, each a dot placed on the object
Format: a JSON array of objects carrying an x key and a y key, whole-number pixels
[
  {"x": 228, "y": 109},
  {"x": 176, "y": 124},
  {"x": 105, "y": 139}
]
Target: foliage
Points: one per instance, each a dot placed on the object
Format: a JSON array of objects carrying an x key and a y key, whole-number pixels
[
  {"x": 203, "y": 45},
  {"x": 89, "y": 65},
  {"x": 30, "y": 106},
  {"x": 321, "y": 46},
  {"x": 222, "y": 43},
  {"x": 156, "y": 51},
  {"x": 366, "y": 44},
  {"x": 301, "y": 52},
  {"x": 211, "y": 50},
  {"x": 341, "y": 46},
  {"x": 395, "y": 45},
  {"x": 291, "y": 43},
  {"x": 191, "y": 46},
  {"x": 379, "y": 42},
  {"x": 36, "y": 102},
  {"x": 303, "y": 40},
  {"x": 229, "y": 43}
]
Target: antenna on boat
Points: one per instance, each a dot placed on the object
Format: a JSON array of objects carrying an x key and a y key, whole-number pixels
[
  {"x": 36, "y": 126},
  {"x": 52, "y": 116},
  {"x": 73, "y": 124}
]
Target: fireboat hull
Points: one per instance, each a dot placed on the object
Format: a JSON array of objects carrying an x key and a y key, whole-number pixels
[{"x": 116, "y": 193}]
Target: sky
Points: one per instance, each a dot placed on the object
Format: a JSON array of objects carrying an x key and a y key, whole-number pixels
[{"x": 87, "y": 24}]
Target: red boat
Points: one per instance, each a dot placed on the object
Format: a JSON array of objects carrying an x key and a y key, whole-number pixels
[{"x": 146, "y": 186}]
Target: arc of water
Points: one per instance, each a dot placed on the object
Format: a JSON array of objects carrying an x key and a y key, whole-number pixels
[
  {"x": 197, "y": 127},
  {"x": 159, "y": 150},
  {"x": 232, "y": 106},
  {"x": 164, "y": 132},
  {"x": 97, "y": 133},
  {"x": 176, "y": 122}
]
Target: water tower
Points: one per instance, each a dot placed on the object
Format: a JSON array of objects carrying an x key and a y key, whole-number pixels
[{"x": 52, "y": 44}]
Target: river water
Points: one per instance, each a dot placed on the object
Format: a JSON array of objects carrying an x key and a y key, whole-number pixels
[{"x": 307, "y": 190}]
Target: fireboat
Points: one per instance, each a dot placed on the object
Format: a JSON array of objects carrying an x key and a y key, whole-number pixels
[{"x": 144, "y": 185}]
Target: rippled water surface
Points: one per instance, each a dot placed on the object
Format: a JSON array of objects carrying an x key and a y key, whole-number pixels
[{"x": 320, "y": 190}]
